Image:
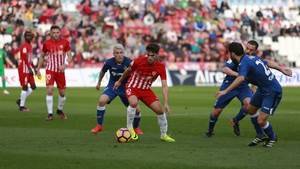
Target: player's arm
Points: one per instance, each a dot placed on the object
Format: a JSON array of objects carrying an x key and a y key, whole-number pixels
[
  {"x": 165, "y": 91},
  {"x": 100, "y": 77},
  {"x": 40, "y": 64},
  {"x": 8, "y": 61},
  {"x": 24, "y": 58},
  {"x": 232, "y": 86},
  {"x": 276, "y": 66},
  {"x": 229, "y": 71},
  {"x": 123, "y": 77}
]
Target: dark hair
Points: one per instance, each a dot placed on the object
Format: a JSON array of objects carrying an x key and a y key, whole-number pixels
[
  {"x": 54, "y": 27},
  {"x": 236, "y": 48},
  {"x": 152, "y": 47},
  {"x": 254, "y": 43}
]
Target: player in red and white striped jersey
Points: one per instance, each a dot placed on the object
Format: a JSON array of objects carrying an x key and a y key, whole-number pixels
[
  {"x": 55, "y": 52},
  {"x": 25, "y": 70},
  {"x": 143, "y": 71}
]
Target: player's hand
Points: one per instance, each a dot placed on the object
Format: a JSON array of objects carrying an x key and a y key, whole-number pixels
[
  {"x": 117, "y": 84},
  {"x": 167, "y": 108},
  {"x": 220, "y": 93},
  {"x": 62, "y": 67},
  {"x": 30, "y": 71},
  {"x": 287, "y": 72},
  {"x": 98, "y": 86}
]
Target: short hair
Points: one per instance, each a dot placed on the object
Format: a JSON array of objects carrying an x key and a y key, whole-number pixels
[
  {"x": 153, "y": 47},
  {"x": 254, "y": 43},
  {"x": 118, "y": 46},
  {"x": 54, "y": 27},
  {"x": 236, "y": 48}
]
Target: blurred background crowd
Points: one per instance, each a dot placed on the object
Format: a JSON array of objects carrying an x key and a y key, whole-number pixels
[{"x": 187, "y": 30}]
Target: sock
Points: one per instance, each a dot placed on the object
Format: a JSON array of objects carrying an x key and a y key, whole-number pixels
[
  {"x": 269, "y": 131},
  {"x": 23, "y": 96},
  {"x": 61, "y": 102},
  {"x": 130, "y": 116},
  {"x": 29, "y": 91},
  {"x": 100, "y": 114},
  {"x": 163, "y": 124},
  {"x": 136, "y": 120},
  {"x": 3, "y": 83},
  {"x": 49, "y": 101},
  {"x": 259, "y": 131},
  {"x": 240, "y": 115},
  {"x": 212, "y": 122}
]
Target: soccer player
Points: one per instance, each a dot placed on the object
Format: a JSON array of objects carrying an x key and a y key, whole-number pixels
[
  {"x": 25, "y": 70},
  {"x": 243, "y": 93},
  {"x": 3, "y": 59},
  {"x": 143, "y": 71},
  {"x": 116, "y": 66},
  {"x": 55, "y": 50},
  {"x": 269, "y": 91}
]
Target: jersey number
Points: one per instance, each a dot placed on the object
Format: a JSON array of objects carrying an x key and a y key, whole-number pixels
[{"x": 266, "y": 68}]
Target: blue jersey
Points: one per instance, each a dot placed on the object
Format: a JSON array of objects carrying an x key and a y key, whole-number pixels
[
  {"x": 257, "y": 72},
  {"x": 229, "y": 79},
  {"x": 115, "y": 70}
]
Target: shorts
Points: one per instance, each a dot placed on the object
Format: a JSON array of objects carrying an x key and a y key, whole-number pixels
[
  {"x": 57, "y": 77},
  {"x": 146, "y": 96},
  {"x": 267, "y": 102},
  {"x": 240, "y": 93},
  {"x": 112, "y": 94},
  {"x": 25, "y": 79}
]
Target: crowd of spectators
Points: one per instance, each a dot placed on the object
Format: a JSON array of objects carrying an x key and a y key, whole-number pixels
[{"x": 188, "y": 31}]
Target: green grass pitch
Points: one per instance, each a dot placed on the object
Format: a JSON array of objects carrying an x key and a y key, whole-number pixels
[{"x": 27, "y": 141}]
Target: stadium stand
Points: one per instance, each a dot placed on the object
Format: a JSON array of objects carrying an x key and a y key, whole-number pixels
[{"x": 189, "y": 31}]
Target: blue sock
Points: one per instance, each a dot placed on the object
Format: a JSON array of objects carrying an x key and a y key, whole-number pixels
[
  {"x": 136, "y": 120},
  {"x": 100, "y": 114},
  {"x": 269, "y": 131},
  {"x": 259, "y": 131},
  {"x": 212, "y": 122},
  {"x": 240, "y": 115}
]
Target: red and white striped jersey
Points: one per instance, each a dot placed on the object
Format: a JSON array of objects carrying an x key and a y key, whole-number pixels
[
  {"x": 25, "y": 57},
  {"x": 55, "y": 52},
  {"x": 144, "y": 73}
]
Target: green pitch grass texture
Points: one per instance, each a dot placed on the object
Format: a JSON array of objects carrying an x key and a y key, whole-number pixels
[{"x": 27, "y": 141}]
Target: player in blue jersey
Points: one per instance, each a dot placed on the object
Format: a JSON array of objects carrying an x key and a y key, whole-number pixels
[
  {"x": 243, "y": 93},
  {"x": 268, "y": 94},
  {"x": 116, "y": 66}
]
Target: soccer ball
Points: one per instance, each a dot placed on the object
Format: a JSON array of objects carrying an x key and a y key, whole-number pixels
[{"x": 123, "y": 135}]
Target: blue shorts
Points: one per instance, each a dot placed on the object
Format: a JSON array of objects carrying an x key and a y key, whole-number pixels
[
  {"x": 112, "y": 94},
  {"x": 240, "y": 93},
  {"x": 267, "y": 102}
]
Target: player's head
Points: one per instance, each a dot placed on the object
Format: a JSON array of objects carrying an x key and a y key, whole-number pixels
[
  {"x": 236, "y": 51},
  {"x": 118, "y": 53},
  {"x": 251, "y": 47},
  {"x": 55, "y": 32},
  {"x": 152, "y": 52},
  {"x": 28, "y": 36}
]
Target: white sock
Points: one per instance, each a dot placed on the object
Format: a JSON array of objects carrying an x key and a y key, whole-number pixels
[
  {"x": 163, "y": 124},
  {"x": 61, "y": 102},
  {"x": 130, "y": 116},
  {"x": 29, "y": 91},
  {"x": 49, "y": 101},
  {"x": 23, "y": 98}
]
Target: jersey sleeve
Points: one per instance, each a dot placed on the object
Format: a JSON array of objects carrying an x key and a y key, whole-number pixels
[
  {"x": 24, "y": 55},
  {"x": 134, "y": 64},
  {"x": 67, "y": 46},
  {"x": 229, "y": 64},
  {"x": 45, "y": 48},
  {"x": 244, "y": 68},
  {"x": 105, "y": 67}
]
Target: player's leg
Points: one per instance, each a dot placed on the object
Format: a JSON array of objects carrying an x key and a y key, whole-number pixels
[
  {"x": 131, "y": 110},
  {"x": 255, "y": 104},
  {"x": 61, "y": 85},
  {"x": 152, "y": 101},
  {"x": 24, "y": 87},
  {"x": 49, "y": 96},
  {"x": 244, "y": 96},
  {"x": 269, "y": 105},
  {"x": 106, "y": 97},
  {"x": 220, "y": 104},
  {"x": 2, "y": 75},
  {"x": 137, "y": 117}
]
